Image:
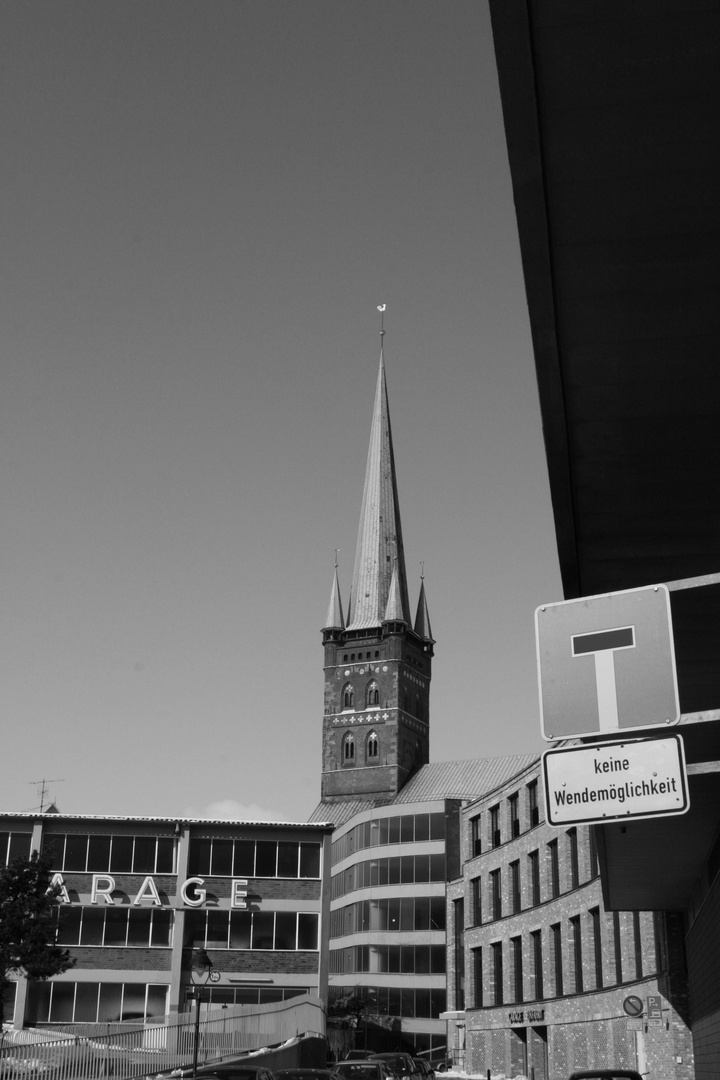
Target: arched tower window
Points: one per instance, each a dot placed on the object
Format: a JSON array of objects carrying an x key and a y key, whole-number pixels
[
  {"x": 372, "y": 694},
  {"x": 372, "y": 746},
  {"x": 348, "y": 696},
  {"x": 348, "y": 749}
]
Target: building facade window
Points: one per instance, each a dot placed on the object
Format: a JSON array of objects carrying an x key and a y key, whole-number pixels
[
  {"x": 597, "y": 947},
  {"x": 496, "y": 894},
  {"x": 573, "y": 853},
  {"x": 554, "y": 869},
  {"x": 284, "y": 931},
  {"x": 349, "y": 749},
  {"x": 637, "y": 942},
  {"x": 14, "y": 845},
  {"x": 475, "y": 836},
  {"x": 515, "y": 895},
  {"x": 556, "y": 934},
  {"x": 459, "y": 951},
  {"x": 494, "y": 826},
  {"x": 576, "y": 933},
  {"x": 534, "y": 863},
  {"x": 389, "y": 830},
  {"x": 348, "y": 696},
  {"x": 94, "y": 1002},
  {"x": 115, "y": 926},
  {"x": 215, "y": 857},
  {"x": 372, "y": 746},
  {"x": 617, "y": 940},
  {"x": 476, "y": 897},
  {"x": 101, "y": 854},
  {"x": 514, "y": 815},
  {"x": 533, "y": 811},
  {"x": 537, "y": 949},
  {"x": 594, "y": 863},
  {"x": 477, "y": 978},
  {"x": 497, "y": 972},
  {"x": 517, "y": 967},
  {"x": 372, "y": 695}
]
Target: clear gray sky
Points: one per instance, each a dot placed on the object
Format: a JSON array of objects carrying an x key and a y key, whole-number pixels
[{"x": 202, "y": 204}]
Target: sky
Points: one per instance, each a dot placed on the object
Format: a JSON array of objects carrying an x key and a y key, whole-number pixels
[{"x": 202, "y": 205}]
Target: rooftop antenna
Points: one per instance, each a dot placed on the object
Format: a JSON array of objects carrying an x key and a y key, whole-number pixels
[{"x": 43, "y": 789}]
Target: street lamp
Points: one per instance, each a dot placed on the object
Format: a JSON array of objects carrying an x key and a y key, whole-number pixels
[{"x": 201, "y": 968}]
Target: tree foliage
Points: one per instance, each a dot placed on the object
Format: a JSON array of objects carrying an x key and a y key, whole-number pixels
[{"x": 28, "y": 922}]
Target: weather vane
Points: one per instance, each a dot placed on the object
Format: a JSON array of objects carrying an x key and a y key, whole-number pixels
[{"x": 381, "y": 309}]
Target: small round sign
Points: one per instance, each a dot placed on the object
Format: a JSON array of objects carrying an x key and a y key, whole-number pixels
[
  {"x": 215, "y": 977},
  {"x": 633, "y": 1005}
]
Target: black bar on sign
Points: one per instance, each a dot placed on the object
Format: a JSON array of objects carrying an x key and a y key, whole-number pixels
[{"x": 623, "y": 638}]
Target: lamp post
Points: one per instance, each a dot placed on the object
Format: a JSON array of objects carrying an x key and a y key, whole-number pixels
[{"x": 201, "y": 967}]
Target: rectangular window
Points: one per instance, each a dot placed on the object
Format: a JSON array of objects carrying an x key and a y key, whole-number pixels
[
  {"x": 533, "y": 811},
  {"x": 475, "y": 836},
  {"x": 75, "y": 852},
  {"x": 556, "y": 933},
  {"x": 244, "y": 858},
  {"x": 517, "y": 963},
  {"x": 266, "y": 858},
  {"x": 637, "y": 942},
  {"x": 515, "y": 896},
  {"x": 554, "y": 869},
  {"x": 497, "y": 962},
  {"x": 496, "y": 894},
  {"x": 494, "y": 826},
  {"x": 534, "y": 860},
  {"x": 459, "y": 952},
  {"x": 514, "y": 815},
  {"x": 577, "y": 952},
  {"x": 618, "y": 947},
  {"x": 477, "y": 977},
  {"x": 597, "y": 947},
  {"x": 476, "y": 892},
  {"x": 594, "y": 864},
  {"x": 99, "y": 854},
  {"x": 287, "y": 864},
  {"x": 537, "y": 962},
  {"x": 309, "y": 860},
  {"x": 573, "y": 851},
  {"x": 222, "y": 858}
]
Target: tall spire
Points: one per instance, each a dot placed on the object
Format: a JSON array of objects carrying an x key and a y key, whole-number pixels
[
  {"x": 379, "y": 545},
  {"x": 422, "y": 616},
  {"x": 334, "y": 618}
]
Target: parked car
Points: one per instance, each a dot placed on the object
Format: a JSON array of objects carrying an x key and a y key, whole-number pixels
[
  {"x": 401, "y": 1064},
  {"x": 426, "y": 1069},
  {"x": 303, "y": 1074},
  {"x": 234, "y": 1070},
  {"x": 363, "y": 1070}
]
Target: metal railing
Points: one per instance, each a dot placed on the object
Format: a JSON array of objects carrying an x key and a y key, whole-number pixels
[{"x": 129, "y": 1049}]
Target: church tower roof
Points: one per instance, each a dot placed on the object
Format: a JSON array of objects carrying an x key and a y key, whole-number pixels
[
  {"x": 422, "y": 616},
  {"x": 379, "y": 552},
  {"x": 334, "y": 619}
]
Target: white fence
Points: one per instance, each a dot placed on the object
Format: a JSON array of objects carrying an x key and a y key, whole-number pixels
[{"x": 127, "y": 1050}]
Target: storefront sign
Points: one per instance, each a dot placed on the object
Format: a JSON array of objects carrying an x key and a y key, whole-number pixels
[
  {"x": 191, "y": 892},
  {"x": 526, "y": 1016}
]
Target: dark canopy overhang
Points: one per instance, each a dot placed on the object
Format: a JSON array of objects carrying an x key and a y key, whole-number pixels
[{"x": 612, "y": 114}]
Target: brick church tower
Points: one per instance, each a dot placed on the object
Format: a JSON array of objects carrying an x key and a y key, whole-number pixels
[{"x": 377, "y": 662}]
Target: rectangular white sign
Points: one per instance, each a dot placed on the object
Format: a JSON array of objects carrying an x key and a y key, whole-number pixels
[{"x": 610, "y": 781}]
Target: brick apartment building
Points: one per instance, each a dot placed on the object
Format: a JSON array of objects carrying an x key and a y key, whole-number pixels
[
  {"x": 139, "y": 894},
  {"x": 538, "y": 971}
]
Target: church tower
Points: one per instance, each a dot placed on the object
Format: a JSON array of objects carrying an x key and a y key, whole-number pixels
[{"x": 377, "y": 662}]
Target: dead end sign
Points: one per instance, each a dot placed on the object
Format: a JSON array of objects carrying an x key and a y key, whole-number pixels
[{"x": 606, "y": 663}]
